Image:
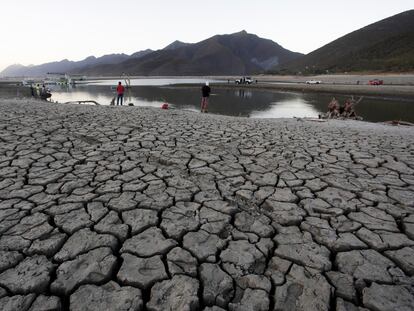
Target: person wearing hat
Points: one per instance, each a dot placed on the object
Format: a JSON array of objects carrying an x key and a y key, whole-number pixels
[{"x": 205, "y": 90}]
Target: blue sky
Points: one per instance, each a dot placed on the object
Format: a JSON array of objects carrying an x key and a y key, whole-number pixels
[{"x": 35, "y": 32}]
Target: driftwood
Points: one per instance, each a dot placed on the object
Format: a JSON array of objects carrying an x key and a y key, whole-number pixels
[
  {"x": 340, "y": 117},
  {"x": 82, "y": 102},
  {"x": 399, "y": 122}
]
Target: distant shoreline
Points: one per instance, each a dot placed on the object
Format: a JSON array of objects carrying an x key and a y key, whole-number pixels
[
  {"x": 395, "y": 85},
  {"x": 405, "y": 92}
]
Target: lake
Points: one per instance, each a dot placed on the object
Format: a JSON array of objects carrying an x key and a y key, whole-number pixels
[{"x": 232, "y": 101}]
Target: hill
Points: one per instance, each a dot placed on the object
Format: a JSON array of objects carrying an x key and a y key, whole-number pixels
[
  {"x": 387, "y": 45},
  {"x": 235, "y": 54}
]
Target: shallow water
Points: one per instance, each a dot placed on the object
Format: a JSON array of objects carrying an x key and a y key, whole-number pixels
[{"x": 254, "y": 103}]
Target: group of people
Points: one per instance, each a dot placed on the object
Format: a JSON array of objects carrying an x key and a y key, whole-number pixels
[
  {"x": 40, "y": 91},
  {"x": 205, "y": 92},
  {"x": 335, "y": 110}
]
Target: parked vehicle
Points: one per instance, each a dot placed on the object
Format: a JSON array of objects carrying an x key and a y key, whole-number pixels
[
  {"x": 376, "y": 82},
  {"x": 313, "y": 82},
  {"x": 244, "y": 80}
]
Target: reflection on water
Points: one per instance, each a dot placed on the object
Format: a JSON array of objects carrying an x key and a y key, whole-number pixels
[
  {"x": 238, "y": 102},
  {"x": 243, "y": 93},
  {"x": 154, "y": 81},
  {"x": 296, "y": 107}
]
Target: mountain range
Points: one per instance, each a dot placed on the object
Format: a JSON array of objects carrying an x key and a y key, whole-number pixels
[
  {"x": 239, "y": 53},
  {"x": 235, "y": 54},
  {"x": 387, "y": 45},
  {"x": 65, "y": 65}
]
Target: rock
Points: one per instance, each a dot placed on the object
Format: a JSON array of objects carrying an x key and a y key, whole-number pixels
[
  {"x": 283, "y": 195},
  {"x": 93, "y": 267},
  {"x": 32, "y": 275},
  {"x": 181, "y": 261},
  {"x": 317, "y": 207},
  {"x": 305, "y": 289},
  {"x": 315, "y": 184},
  {"x": 266, "y": 179},
  {"x": 47, "y": 246},
  {"x": 277, "y": 270},
  {"x": 203, "y": 245},
  {"x": 83, "y": 241},
  {"x": 404, "y": 258},
  {"x": 180, "y": 219},
  {"x": 148, "y": 243},
  {"x": 242, "y": 258},
  {"x": 324, "y": 234},
  {"x": 214, "y": 222},
  {"x": 254, "y": 281},
  {"x": 46, "y": 303},
  {"x": 338, "y": 198},
  {"x": 342, "y": 305},
  {"x": 179, "y": 293},
  {"x": 344, "y": 224},
  {"x": 13, "y": 243},
  {"x": 123, "y": 203},
  {"x": 141, "y": 272},
  {"x": 73, "y": 221},
  {"x": 343, "y": 284},
  {"x": 373, "y": 223},
  {"x": 106, "y": 297},
  {"x": 258, "y": 224},
  {"x": 299, "y": 248},
  {"x": 283, "y": 213},
  {"x": 111, "y": 224},
  {"x": 140, "y": 219},
  {"x": 368, "y": 265},
  {"x": 382, "y": 240},
  {"x": 3, "y": 292},
  {"x": 405, "y": 197},
  {"x": 96, "y": 210},
  {"x": 388, "y": 297},
  {"x": 215, "y": 308},
  {"x": 9, "y": 259},
  {"x": 253, "y": 299},
  {"x": 31, "y": 227},
  {"x": 222, "y": 206},
  {"x": 17, "y": 303},
  {"x": 217, "y": 285}
]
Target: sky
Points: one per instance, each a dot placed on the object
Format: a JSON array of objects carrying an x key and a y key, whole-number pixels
[{"x": 36, "y": 32}]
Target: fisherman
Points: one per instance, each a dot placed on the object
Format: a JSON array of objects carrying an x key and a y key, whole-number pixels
[
  {"x": 120, "y": 91},
  {"x": 333, "y": 108},
  {"x": 205, "y": 90}
]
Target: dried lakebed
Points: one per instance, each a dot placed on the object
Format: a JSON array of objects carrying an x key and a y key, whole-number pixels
[{"x": 123, "y": 208}]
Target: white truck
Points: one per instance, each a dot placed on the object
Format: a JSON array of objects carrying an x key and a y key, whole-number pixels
[{"x": 244, "y": 80}]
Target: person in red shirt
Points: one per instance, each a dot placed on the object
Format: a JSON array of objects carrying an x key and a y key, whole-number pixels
[{"x": 120, "y": 91}]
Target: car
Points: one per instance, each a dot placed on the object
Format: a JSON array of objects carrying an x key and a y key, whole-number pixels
[
  {"x": 244, "y": 80},
  {"x": 313, "y": 82},
  {"x": 376, "y": 82}
]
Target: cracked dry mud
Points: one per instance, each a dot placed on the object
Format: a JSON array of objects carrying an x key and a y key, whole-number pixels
[{"x": 125, "y": 208}]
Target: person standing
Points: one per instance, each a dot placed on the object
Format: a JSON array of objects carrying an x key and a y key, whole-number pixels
[
  {"x": 205, "y": 90},
  {"x": 120, "y": 89}
]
